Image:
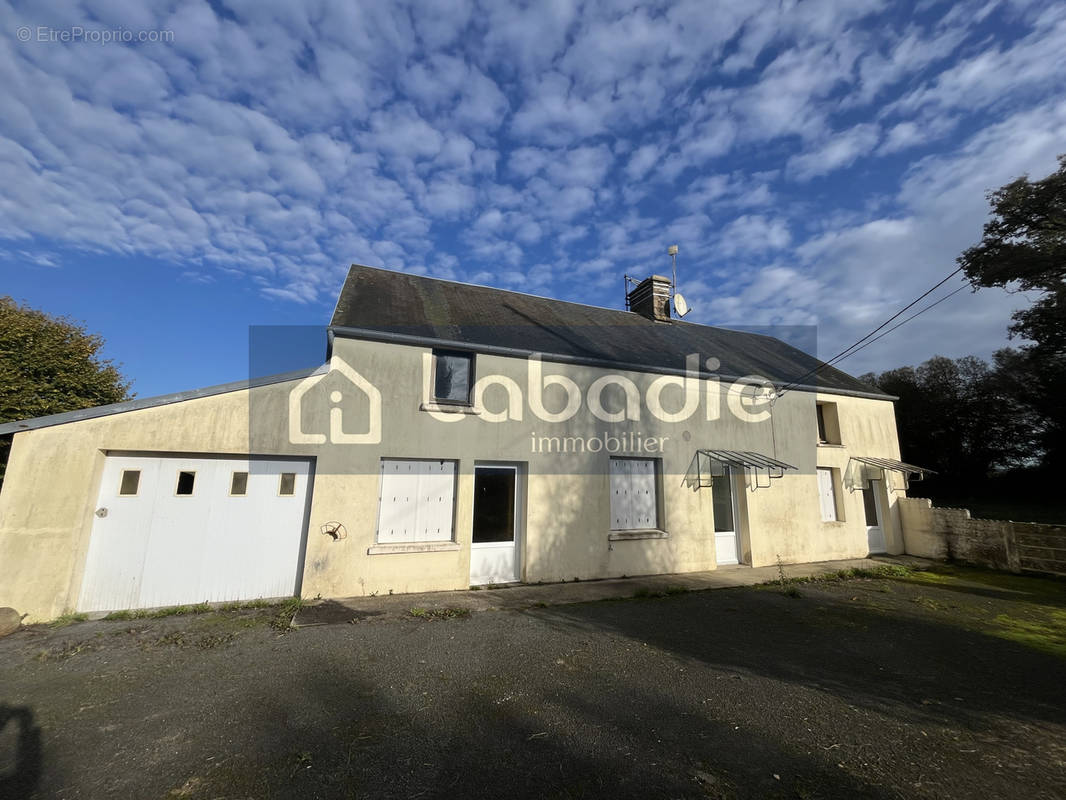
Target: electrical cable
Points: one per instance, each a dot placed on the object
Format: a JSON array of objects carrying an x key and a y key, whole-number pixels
[{"x": 860, "y": 343}]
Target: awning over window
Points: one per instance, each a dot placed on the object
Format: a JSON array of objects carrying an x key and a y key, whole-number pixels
[
  {"x": 895, "y": 466},
  {"x": 708, "y": 464},
  {"x": 862, "y": 469}
]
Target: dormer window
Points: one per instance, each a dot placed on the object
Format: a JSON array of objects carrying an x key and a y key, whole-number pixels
[{"x": 453, "y": 374}]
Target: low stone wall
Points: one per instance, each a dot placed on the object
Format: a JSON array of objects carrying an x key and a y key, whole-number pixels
[{"x": 1000, "y": 544}]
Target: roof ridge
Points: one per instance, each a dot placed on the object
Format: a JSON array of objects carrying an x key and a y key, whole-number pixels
[{"x": 507, "y": 291}]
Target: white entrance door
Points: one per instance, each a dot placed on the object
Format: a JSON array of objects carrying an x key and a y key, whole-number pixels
[
  {"x": 494, "y": 548},
  {"x": 724, "y": 503},
  {"x": 875, "y": 531},
  {"x": 170, "y": 530}
]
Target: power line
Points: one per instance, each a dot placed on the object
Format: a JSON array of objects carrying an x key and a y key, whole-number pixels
[
  {"x": 908, "y": 319},
  {"x": 860, "y": 343}
]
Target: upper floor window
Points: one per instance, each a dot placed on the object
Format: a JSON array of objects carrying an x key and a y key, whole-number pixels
[
  {"x": 828, "y": 423},
  {"x": 452, "y": 376}
]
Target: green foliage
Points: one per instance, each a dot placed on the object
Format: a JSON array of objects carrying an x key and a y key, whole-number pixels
[
  {"x": 68, "y": 618},
  {"x": 964, "y": 418},
  {"x": 158, "y": 613},
  {"x": 785, "y": 582},
  {"x": 49, "y": 365},
  {"x": 282, "y": 620},
  {"x": 1024, "y": 245},
  {"x": 1024, "y": 249}
]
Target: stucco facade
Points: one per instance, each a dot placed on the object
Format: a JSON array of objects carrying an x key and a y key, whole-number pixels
[{"x": 53, "y": 477}]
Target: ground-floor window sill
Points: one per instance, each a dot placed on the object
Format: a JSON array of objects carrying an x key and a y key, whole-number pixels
[
  {"x": 416, "y": 547},
  {"x": 622, "y": 536}
]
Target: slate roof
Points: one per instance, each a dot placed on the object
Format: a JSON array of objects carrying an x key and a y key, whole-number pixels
[{"x": 395, "y": 306}]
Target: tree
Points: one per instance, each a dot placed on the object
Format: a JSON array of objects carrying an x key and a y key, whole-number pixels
[
  {"x": 49, "y": 365},
  {"x": 963, "y": 418},
  {"x": 1024, "y": 248}
]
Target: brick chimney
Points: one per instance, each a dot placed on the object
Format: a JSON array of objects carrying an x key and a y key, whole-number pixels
[{"x": 651, "y": 298}]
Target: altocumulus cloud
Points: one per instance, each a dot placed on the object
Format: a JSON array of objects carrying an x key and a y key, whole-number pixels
[{"x": 819, "y": 163}]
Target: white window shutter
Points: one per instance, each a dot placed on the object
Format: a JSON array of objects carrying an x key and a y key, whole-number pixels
[
  {"x": 416, "y": 501},
  {"x": 633, "y": 490},
  {"x": 643, "y": 493},
  {"x": 826, "y": 495},
  {"x": 619, "y": 495}
]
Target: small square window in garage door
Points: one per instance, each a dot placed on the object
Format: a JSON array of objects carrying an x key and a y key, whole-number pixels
[{"x": 417, "y": 501}]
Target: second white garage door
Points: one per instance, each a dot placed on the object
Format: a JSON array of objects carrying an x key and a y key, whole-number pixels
[{"x": 171, "y": 530}]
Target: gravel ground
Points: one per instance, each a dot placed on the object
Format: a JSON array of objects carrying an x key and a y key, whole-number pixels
[{"x": 940, "y": 685}]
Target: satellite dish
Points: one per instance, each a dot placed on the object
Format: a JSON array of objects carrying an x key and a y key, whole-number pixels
[{"x": 680, "y": 306}]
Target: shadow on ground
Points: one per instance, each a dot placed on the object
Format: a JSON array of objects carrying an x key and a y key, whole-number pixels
[{"x": 852, "y": 690}]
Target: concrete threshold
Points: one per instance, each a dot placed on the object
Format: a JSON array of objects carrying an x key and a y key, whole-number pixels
[{"x": 516, "y": 597}]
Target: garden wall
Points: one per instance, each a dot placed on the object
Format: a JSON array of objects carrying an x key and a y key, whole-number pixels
[{"x": 1000, "y": 544}]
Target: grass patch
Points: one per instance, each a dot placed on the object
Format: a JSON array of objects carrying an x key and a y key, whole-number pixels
[
  {"x": 783, "y": 581},
  {"x": 158, "y": 613},
  {"x": 439, "y": 613},
  {"x": 282, "y": 620},
  {"x": 1032, "y": 585},
  {"x": 1047, "y": 635},
  {"x": 289, "y": 606},
  {"x": 68, "y": 619}
]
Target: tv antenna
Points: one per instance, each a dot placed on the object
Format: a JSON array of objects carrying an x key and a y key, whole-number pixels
[{"x": 680, "y": 305}]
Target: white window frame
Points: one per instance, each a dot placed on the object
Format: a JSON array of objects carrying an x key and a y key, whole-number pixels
[
  {"x": 416, "y": 501},
  {"x": 630, "y": 482}
]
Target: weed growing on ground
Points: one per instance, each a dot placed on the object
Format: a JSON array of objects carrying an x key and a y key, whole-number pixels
[
  {"x": 68, "y": 650},
  {"x": 884, "y": 571},
  {"x": 282, "y": 621},
  {"x": 787, "y": 584},
  {"x": 288, "y": 606},
  {"x": 158, "y": 613},
  {"x": 439, "y": 613},
  {"x": 67, "y": 619}
]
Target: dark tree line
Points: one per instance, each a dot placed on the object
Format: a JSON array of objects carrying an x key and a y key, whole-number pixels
[
  {"x": 967, "y": 419},
  {"x": 1000, "y": 427}
]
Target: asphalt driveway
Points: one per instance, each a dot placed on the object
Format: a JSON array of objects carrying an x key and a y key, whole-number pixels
[{"x": 938, "y": 685}]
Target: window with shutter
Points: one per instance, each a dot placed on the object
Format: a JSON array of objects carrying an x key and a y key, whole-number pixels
[
  {"x": 416, "y": 502},
  {"x": 634, "y": 494},
  {"x": 827, "y": 495}
]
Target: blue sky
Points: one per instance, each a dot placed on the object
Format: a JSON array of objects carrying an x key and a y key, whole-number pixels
[{"x": 818, "y": 163}]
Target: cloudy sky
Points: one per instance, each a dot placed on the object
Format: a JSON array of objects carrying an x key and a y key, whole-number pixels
[{"x": 818, "y": 163}]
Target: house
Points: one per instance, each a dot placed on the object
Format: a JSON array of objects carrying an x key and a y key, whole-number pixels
[{"x": 457, "y": 435}]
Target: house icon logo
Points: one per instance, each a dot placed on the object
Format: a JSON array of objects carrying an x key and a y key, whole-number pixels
[{"x": 338, "y": 368}]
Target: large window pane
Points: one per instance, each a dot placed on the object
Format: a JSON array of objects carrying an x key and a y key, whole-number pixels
[
  {"x": 722, "y": 501},
  {"x": 869, "y": 504},
  {"x": 452, "y": 377},
  {"x": 494, "y": 498}
]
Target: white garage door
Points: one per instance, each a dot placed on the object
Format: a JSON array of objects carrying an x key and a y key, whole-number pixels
[{"x": 170, "y": 530}]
